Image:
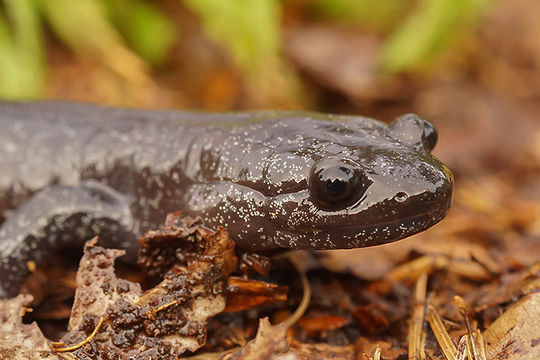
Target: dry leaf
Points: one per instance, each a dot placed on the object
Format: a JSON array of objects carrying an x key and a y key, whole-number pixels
[
  {"x": 516, "y": 334},
  {"x": 19, "y": 341}
]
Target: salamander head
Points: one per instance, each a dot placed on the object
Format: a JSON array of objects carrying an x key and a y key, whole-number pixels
[
  {"x": 385, "y": 188},
  {"x": 309, "y": 183}
]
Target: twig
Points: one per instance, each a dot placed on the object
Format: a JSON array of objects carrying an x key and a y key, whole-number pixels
[
  {"x": 85, "y": 341},
  {"x": 377, "y": 354},
  {"x": 465, "y": 310},
  {"x": 304, "y": 303},
  {"x": 416, "y": 350},
  {"x": 163, "y": 307}
]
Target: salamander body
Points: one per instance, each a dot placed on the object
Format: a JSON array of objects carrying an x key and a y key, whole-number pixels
[{"x": 274, "y": 179}]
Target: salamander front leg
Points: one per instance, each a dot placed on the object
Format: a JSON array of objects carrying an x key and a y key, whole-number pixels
[{"x": 62, "y": 216}]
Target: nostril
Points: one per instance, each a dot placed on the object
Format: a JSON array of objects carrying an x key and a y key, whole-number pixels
[{"x": 401, "y": 196}]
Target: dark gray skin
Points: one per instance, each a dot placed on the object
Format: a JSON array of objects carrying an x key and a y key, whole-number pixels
[{"x": 274, "y": 179}]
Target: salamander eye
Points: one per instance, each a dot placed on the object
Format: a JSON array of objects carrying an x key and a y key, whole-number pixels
[
  {"x": 335, "y": 185},
  {"x": 429, "y": 136},
  {"x": 413, "y": 130}
]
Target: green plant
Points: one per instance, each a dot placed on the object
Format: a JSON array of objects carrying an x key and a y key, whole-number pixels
[
  {"x": 146, "y": 29},
  {"x": 127, "y": 35},
  {"x": 250, "y": 30},
  {"x": 21, "y": 50},
  {"x": 428, "y": 30},
  {"x": 381, "y": 15},
  {"x": 86, "y": 27}
]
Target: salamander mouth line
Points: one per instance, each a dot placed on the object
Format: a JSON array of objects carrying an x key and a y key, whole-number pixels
[{"x": 430, "y": 217}]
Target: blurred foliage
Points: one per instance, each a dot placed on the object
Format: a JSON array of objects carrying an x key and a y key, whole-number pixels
[
  {"x": 146, "y": 29},
  {"x": 126, "y": 36},
  {"x": 378, "y": 15},
  {"x": 84, "y": 27},
  {"x": 21, "y": 50},
  {"x": 427, "y": 31},
  {"x": 417, "y": 34},
  {"x": 249, "y": 29}
]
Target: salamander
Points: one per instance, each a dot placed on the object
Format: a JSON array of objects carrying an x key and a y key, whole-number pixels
[{"x": 274, "y": 179}]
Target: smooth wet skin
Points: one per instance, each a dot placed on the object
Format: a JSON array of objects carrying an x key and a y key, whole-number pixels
[{"x": 292, "y": 180}]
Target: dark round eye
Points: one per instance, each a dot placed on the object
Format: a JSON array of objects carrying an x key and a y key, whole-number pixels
[
  {"x": 430, "y": 136},
  {"x": 336, "y": 186},
  {"x": 413, "y": 130}
]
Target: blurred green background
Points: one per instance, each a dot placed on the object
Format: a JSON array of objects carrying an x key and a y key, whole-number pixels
[{"x": 229, "y": 54}]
